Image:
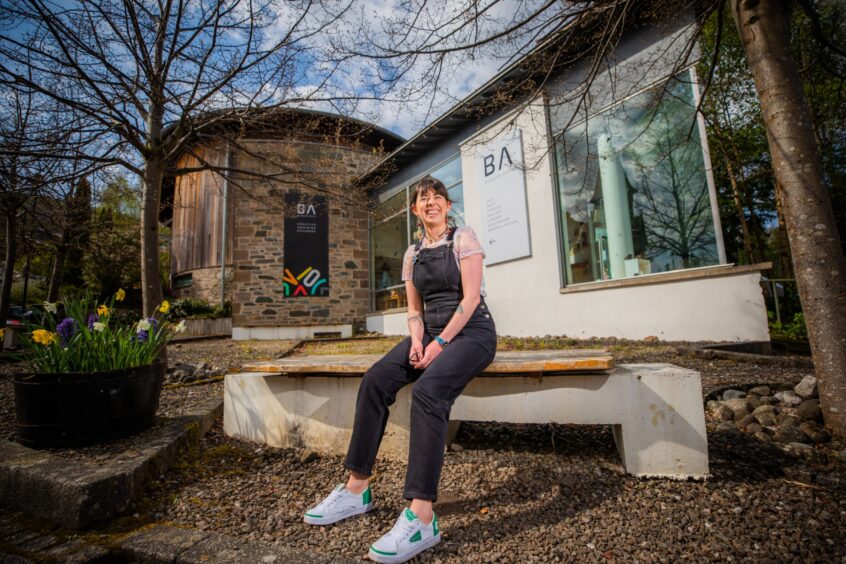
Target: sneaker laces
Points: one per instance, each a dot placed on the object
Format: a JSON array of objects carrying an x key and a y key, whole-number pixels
[
  {"x": 333, "y": 497},
  {"x": 403, "y": 527}
]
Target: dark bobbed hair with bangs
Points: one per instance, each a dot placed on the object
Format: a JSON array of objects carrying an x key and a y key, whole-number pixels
[{"x": 429, "y": 184}]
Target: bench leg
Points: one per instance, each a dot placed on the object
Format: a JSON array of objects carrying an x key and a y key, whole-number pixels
[
  {"x": 452, "y": 432},
  {"x": 663, "y": 432}
]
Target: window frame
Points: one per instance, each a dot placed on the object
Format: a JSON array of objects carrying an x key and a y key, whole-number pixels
[{"x": 563, "y": 234}]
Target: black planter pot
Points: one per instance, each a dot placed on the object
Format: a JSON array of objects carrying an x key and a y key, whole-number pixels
[{"x": 76, "y": 409}]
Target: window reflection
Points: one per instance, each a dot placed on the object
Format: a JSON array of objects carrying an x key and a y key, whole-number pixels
[{"x": 633, "y": 189}]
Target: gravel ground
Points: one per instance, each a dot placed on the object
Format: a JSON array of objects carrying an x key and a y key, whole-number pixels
[
  {"x": 528, "y": 493},
  {"x": 514, "y": 492},
  {"x": 537, "y": 493}
]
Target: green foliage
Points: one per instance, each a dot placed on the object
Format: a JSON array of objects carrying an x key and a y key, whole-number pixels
[
  {"x": 82, "y": 335},
  {"x": 77, "y": 233},
  {"x": 191, "y": 308},
  {"x": 738, "y": 139},
  {"x": 113, "y": 257},
  {"x": 794, "y": 330}
]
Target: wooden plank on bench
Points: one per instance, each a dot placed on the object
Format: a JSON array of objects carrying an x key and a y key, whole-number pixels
[{"x": 506, "y": 362}]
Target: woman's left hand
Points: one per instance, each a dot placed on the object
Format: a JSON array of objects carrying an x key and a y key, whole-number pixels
[{"x": 432, "y": 351}]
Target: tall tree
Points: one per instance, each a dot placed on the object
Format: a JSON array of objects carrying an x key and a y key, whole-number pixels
[
  {"x": 74, "y": 224},
  {"x": 154, "y": 77},
  {"x": 28, "y": 181},
  {"x": 818, "y": 261}
]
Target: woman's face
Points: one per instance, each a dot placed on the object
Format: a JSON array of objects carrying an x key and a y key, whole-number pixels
[{"x": 432, "y": 209}]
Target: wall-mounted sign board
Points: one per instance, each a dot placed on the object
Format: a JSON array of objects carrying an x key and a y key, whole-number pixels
[
  {"x": 502, "y": 195},
  {"x": 306, "y": 271}
]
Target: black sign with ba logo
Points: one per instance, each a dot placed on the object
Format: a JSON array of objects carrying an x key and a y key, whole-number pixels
[{"x": 306, "y": 271}]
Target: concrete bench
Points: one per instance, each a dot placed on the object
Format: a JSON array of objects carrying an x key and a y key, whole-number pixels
[{"x": 655, "y": 410}]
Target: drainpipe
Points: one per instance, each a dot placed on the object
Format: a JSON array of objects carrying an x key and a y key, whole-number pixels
[{"x": 225, "y": 223}]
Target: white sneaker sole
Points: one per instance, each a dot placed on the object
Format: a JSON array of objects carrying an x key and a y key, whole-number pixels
[
  {"x": 338, "y": 516},
  {"x": 398, "y": 558}
]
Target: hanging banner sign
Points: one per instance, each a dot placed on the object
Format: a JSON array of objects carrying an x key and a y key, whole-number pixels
[
  {"x": 502, "y": 194},
  {"x": 306, "y": 246}
]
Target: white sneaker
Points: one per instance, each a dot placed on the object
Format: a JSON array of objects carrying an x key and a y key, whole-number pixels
[
  {"x": 338, "y": 505},
  {"x": 409, "y": 537}
]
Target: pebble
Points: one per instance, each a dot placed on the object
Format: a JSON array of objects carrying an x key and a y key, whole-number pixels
[
  {"x": 809, "y": 410},
  {"x": 788, "y": 398},
  {"x": 815, "y": 432},
  {"x": 760, "y": 390},
  {"x": 807, "y": 387},
  {"x": 733, "y": 394},
  {"x": 738, "y": 408}
]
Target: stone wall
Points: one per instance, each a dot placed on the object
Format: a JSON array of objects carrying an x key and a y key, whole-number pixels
[
  {"x": 205, "y": 285},
  {"x": 258, "y": 240}
]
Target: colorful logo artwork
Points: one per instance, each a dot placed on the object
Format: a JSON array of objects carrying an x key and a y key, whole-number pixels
[{"x": 308, "y": 283}]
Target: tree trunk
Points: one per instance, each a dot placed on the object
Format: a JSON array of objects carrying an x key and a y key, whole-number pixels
[
  {"x": 9, "y": 268},
  {"x": 785, "y": 267},
  {"x": 26, "y": 280},
  {"x": 58, "y": 271},
  {"x": 741, "y": 214},
  {"x": 764, "y": 27},
  {"x": 150, "y": 269}
]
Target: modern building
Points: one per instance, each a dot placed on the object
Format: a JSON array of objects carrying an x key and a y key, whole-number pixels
[{"x": 597, "y": 206}]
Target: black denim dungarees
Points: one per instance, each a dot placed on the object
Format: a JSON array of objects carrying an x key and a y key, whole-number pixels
[{"x": 437, "y": 278}]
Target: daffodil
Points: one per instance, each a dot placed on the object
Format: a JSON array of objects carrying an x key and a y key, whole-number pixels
[
  {"x": 144, "y": 325},
  {"x": 43, "y": 337},
  {"x": 120, "y": 295},
  {"x": 2, "y": 334},
  {"x": 103, "y": 311},
  {"x": 99, "y": 326},
  {"x": 164, "y": 307},
  {"x": 180, "y": 327},
  {"x": 51, "y": 307}
]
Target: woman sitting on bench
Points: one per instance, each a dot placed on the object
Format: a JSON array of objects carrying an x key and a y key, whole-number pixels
[{"x": 452, "y": 340}]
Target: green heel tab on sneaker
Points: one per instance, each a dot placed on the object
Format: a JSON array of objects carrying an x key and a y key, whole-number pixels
[
  {"x": 366, "y": 497},
  {"x": 435, "y": 528}
]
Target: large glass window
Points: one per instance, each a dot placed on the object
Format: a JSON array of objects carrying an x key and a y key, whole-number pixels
[
  {"x": 633, "y": 190},
  {"x": 392, "y": 230}
]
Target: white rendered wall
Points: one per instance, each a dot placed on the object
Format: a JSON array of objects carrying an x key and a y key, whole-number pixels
[{"x": 525, "y": 294}]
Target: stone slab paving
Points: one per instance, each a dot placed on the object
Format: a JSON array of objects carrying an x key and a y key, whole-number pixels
[
  {"x": 75, "y": 493},
  {"x": 23, "y": 540},
  {"x": 506, "y": 362},
  {"x": 165, "y": 544}
]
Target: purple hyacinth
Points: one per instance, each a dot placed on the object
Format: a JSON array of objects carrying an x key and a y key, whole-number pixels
[
  {"x": 66, "y": 329},
  {"x": 154, "y": 324},
  {"x": 92, "y": 319},
  {"x": 142, "y": 336}
]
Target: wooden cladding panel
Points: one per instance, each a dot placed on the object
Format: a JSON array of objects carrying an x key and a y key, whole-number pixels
[{"x": 197, "y": 216}]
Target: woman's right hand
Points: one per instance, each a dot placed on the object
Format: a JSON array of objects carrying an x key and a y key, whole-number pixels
[{"x": 415, "y": 355}]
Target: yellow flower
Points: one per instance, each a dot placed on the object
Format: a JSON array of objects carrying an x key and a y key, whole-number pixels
[
  {"x": 103, "y": 311},
  {"x": 2, "y": 334},
  {"x": 43, "y": 337},
  {"x": 164, "y": 307},
  {"x": 120, "y": 295}
]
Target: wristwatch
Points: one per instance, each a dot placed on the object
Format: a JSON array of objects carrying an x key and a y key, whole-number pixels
[{"x": 440, "y": 340}]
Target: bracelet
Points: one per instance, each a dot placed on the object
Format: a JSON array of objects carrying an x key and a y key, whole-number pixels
[{"x": 441, "y": 341}]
